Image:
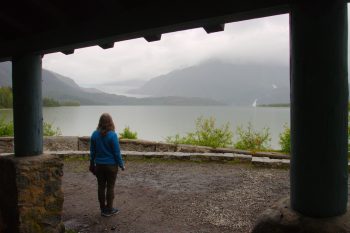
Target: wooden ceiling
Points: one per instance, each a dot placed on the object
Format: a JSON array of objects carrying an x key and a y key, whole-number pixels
[{"x": 46, "y": 26}]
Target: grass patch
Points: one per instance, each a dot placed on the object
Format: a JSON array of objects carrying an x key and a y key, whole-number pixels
[
  {"x": 181, "y": 161},
  {"x": 128, "y": 134},
  {"x": 70, "y": 231},
  {"x": 197, "y": 161},
  {"x": 157, "y": 160},
  {"x": 76, "y": 165},
  {"x": 253, "y": 140},
  {"x": 76, "y": 158},
  {"x": 206, "y": 134}
]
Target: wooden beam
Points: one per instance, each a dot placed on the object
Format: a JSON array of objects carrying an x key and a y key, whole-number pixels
[
  {"x": 14, "y": 23},
  {"x": 107, "y": 45},
  {"x": 214, "y": 28},
  {"x": 152, "y": 38},
  {"x": 68, "y": 52},
  {"x": 139, "y": 22},
  {"x": 49, "y": 9}
]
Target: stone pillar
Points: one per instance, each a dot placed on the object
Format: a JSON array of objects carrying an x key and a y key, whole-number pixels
[
  {"x": 319, "y": 120},
  {"x": 27, "y": 105},
  {"x": 319, "y": 112},
  {"x": 31, "y": 197}
]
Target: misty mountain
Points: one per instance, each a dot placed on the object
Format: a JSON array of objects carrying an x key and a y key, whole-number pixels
[
  {"x": 131, "y": 83},
  {"x": 62, "y": 88},
  {"x": 229, "y": 83},
  {"x": 122, "y": 87}
]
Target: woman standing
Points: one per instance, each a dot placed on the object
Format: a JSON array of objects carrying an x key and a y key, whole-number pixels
[{"x": 105, "y": 154}]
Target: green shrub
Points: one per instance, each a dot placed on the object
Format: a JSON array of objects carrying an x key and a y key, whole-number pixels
[
  {"x": 128, "y": 134},
  {"x": 6, "y": 100},
  {"x": 49, "y": 102},
  {"x": 6, "y": 97},
  {"x": 6, "y": 129},
  {"x": 71, "y": 231},
  {"x": 250, "y": 139},
  {"x": 50, "y": 130},
  {"x": 206, "y": 134},
  {"x": 349, "y": 135},
  {"x": 70, "y": 103},
  {"x": 177, "y": 139},
  {"x": 284, "y": 140}
]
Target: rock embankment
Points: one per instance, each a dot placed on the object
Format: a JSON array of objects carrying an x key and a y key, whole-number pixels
[
  {"x": 71, "y": 143},
  {"x": 68, "y": 146}
]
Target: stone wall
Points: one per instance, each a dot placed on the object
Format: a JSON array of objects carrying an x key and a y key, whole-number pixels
[
  {"x": 186, "y": 156},
  {"x": 6, "y": 144},
  {"x": 71, "y": 143},
  {"x": 31, "y": 197},
  {"x": 8, "y": 199},
  {"x": 60, "y": 143}
]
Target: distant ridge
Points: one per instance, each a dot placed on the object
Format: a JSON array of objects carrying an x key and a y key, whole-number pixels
[
  {"x": 233, "y": 84},
  {"x": 230, "y": 83},
  {"x": 62, "y": 88}
]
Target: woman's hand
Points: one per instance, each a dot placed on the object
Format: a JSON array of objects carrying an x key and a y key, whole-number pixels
[{"x": 92, "y": 168}]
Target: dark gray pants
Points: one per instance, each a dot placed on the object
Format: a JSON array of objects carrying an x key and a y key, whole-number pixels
[{"x": 106, "y": 177}]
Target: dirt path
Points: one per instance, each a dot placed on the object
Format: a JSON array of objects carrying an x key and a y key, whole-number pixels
[{"x": 162, "y": 197}]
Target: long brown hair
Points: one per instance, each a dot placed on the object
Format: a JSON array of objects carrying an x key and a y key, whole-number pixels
[{"x": 105, "y": 124}]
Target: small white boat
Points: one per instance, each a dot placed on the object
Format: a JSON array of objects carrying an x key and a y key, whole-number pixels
[{"x": 254, "y": 103}]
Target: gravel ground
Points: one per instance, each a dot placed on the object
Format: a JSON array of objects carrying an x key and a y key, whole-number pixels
[{"x": 168, "y": 196}]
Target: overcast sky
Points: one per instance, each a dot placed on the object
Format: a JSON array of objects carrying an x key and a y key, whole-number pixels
[{"x": 264, "y": 40}]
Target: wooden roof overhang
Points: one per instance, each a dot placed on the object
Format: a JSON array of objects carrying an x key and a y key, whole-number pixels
[{"x": 47, "y": 26}]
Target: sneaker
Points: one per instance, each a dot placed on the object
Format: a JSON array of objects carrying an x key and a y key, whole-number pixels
[
  {"x": 103, "y": 210},
  {"x": 110, "y": 212}
]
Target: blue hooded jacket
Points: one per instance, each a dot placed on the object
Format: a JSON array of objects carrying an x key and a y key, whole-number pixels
[{"x": 105, "y": 149}]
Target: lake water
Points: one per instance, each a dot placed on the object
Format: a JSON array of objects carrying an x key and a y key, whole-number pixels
[{"x": 158, "y": 122}]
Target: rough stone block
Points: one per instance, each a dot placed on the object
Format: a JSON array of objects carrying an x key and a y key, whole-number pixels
[
  {"x": 84, "y": 143},
  {"x": 60, "y": 143},
  {"x": 137, "y": 145},
  {"x": 157, "y": 155},
  {"x": 231, "y": 150},
  {"x": 165, "y": 147},
  {"x": 72, "y": 154},
  {"x": 193, "y": 149},
  {"x": 133, "y": 155},
  {"x": 220, "y": 157},
  {"x": 177, "y": 155},
  {"x": 267, "y": 162},
  {"x": 217, "y": 157},
  {"x": 222, "y": 150},
  {"x": 242, "y": 157},
  {"x": 271, "y": 155},
  {"x": 31, "y": 197},
  {"x": 280, "y": 218},
  {"x": 6, "y": 144},
  {"x": 200, "y": 157}
]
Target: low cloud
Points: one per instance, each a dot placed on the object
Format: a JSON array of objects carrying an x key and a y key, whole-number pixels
[{"x": 264, "y": 40}]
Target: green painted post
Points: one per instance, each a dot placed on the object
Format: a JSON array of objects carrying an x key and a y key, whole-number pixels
[
  {"x": 27, "y": 105},
  {"x": 319, "y": 115}
]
